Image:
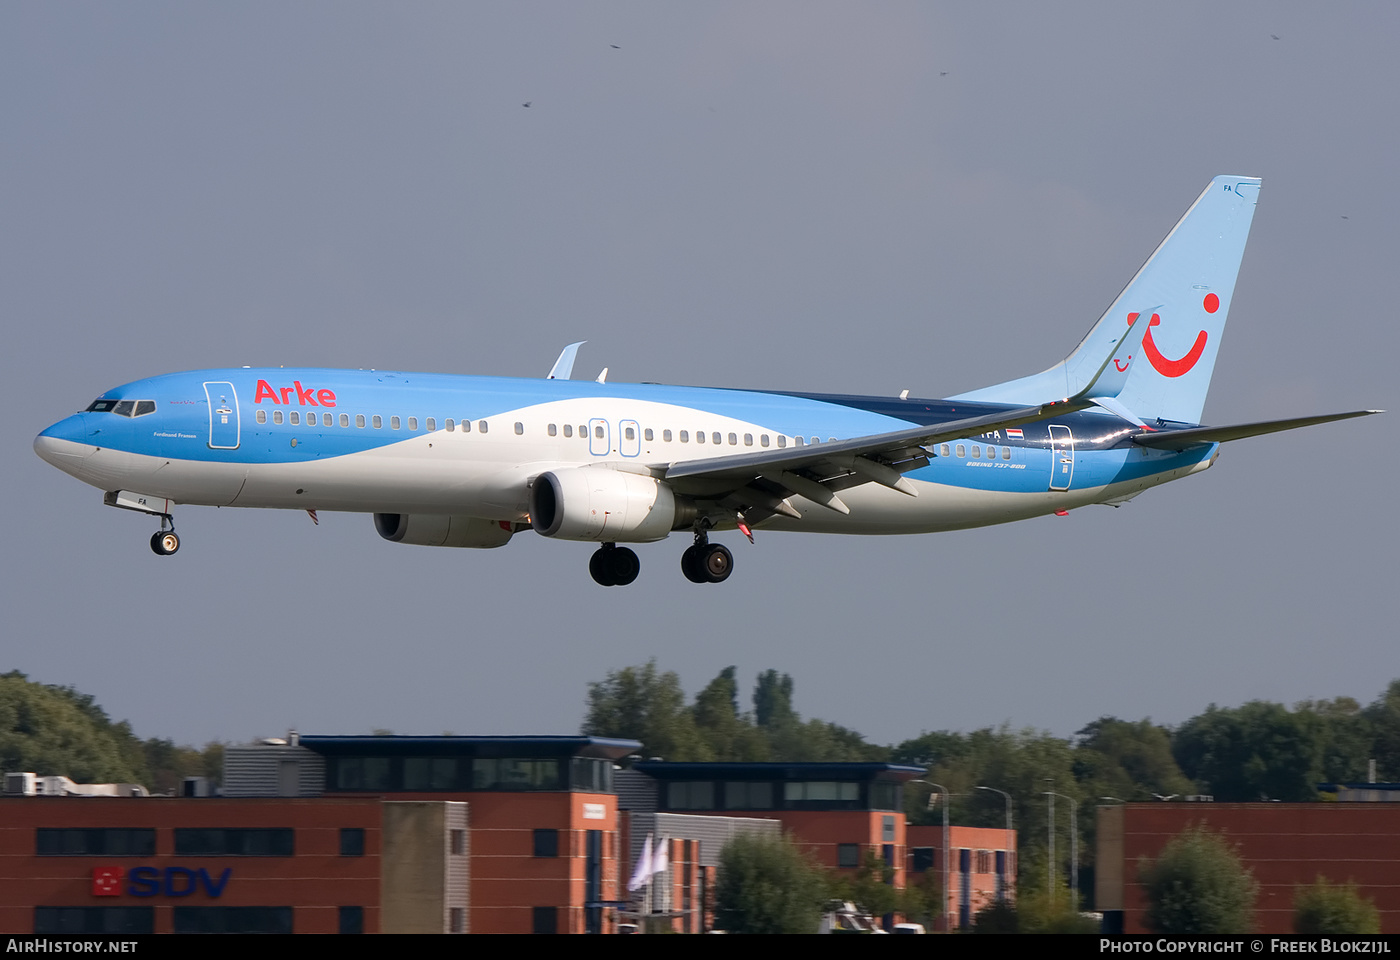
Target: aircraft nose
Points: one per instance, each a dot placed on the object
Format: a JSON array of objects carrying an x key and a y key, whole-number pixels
[{"x": 66, "y": 442}]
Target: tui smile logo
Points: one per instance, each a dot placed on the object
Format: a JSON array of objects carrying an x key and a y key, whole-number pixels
[{"x": 1163, "y": 364}]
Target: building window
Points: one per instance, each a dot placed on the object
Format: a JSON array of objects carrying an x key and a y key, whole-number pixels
[
  {"x": 352, "y": 920},
  {"x": 743, "y": 795},
  {"x": 544, "y": 920},
  {"x": 546, "y": 843},
  {"x": 848, "y": 854},
  {"x": 233, "y": 919},
  {"x": 94, "y": 920},
  {"x": 922, "y": 859},
  {"x": 234, "y": 842},
  {"x": 698, "y": 795},
  {"x": 457, "y": 920},
  {"x": 96, "y": 842},
  {"x": 352, "y": 842},
  {"x": 459, "y": 843}
]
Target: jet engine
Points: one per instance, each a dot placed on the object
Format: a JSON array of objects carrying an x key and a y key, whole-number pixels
[
  {"x": 601, "y": 504},
  {"x": 442, "y": 530}
]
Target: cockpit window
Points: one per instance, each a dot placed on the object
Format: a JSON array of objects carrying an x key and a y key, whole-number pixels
[{"x": 122, "y": 408}]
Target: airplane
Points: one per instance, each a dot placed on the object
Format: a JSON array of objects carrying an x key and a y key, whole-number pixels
[{"x": 468, "y": 461}]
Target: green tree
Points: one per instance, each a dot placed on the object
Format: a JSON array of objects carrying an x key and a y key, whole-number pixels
[
  {"x": 772, "y": 699},
  {"x": 767, "y": 885},
  {"x": 1383, "y": 719},
  {"x": 999, "y": 916},
  {"x": 57, "y": 731},
  {"x": 727, "y": 734},
  {"x": 1260, "y": 751},
  {"x": 1198, "y": 885},
  {"x": 869, "y": 886},
  {"x": 641, "y": 703},
  {"x": 1325, "y": 909}
]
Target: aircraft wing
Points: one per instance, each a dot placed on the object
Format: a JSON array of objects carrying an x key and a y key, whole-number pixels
[
  {"x": 757, "y": 485},
  {"x": 1194, "y": 436}
]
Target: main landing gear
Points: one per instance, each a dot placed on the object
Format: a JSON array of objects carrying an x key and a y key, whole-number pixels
[
  {"x": 706, "y": 562},
  {"x": 165, "y": 542},
  {"x": 614, "y": 566}
]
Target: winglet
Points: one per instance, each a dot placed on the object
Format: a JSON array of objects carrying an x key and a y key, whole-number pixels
[
  {"x": 564, "y": 367},
  {"x": 1113, "y": 372}
]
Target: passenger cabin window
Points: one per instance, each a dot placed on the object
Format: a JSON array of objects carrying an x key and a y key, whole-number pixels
[
  {"x": 345, "y": 419},
  {"x": 553, "y": 430},
  {"x": 393, "y": 422},
  {"x": 294, "y": 419},
  {"x": 648, "y": 435},
  {"x": 413, "y": 423},
  {"x": 481, "y": 426},
  {"x": 962, "y": 450},
  {"x": 430, "y": 424},
  {"x": 262, "y": 416},
  {"x": 782, "y": 441},
  {"x": 598, "y": 431},
  {"x": 976, "y": 452},
  {"x": 359, "y": 420},
  {"x": 568, "y": 430},
  {"x": 716, "y": 438},
  {"x": 630, "y": 433},
  {"x": 748, "y": 440},
  {"x": 466, "y": 426},
  {"x": 699, "y": 436},
  {"x": 666, "y": 436},
  {"x": 277, "y": 416},
  {"x": 944, "y": 451},
  {"x": 763, "y": 440},
  {"x": 1006, "y": 453},
  {"x": 378, "y": 421},
  {"x": 451, "y": 425},
  {"x": 799, "y": 441},
  {"x": 519, "y": 429}
]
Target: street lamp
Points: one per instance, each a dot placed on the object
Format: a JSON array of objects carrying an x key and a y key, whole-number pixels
[
  {"x": 1009, "y": 834},
  {"x": 1073, "y": 845},
  {"x": 943, "y": 791}
]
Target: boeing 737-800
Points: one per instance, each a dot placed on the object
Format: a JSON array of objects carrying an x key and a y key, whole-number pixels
[{"x": 464, "y": 461}]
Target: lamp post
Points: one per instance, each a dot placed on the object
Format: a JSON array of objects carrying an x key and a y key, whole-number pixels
[
  {"x": 1073, "y": 845},
  {"x": 1010, "y": 832},
  {"x": 943, "y": 791},
  {"x": 1050, "y": 831}
]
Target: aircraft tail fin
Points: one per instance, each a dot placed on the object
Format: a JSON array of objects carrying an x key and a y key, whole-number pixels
[{"x": 1191, "y": 280}]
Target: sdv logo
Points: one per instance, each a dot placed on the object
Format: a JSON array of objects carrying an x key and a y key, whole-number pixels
[{"x": 154, "y": 881}]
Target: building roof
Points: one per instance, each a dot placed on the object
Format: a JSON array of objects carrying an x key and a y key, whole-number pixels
[
  {"x": 667, "y": 770},
  {"x": 485, "y": 747}
]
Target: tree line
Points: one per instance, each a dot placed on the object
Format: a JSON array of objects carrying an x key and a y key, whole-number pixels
[
  {"x": 1258, "y": 751},
  {"x": 57, "y": 731}
]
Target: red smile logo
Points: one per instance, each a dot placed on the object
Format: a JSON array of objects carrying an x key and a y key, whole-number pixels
[{"x": 1164, "y": 365}]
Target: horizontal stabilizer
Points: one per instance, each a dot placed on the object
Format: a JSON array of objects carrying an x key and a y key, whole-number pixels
[{"x": 1182, "y": 439}]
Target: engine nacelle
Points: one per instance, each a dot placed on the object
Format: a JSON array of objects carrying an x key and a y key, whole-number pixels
[
  {"x": 442, "y": 530},
  {"x": 601, "y": 504}
]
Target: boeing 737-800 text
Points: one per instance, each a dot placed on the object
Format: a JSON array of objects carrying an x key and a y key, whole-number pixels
[{"x": 461, "y": 461}]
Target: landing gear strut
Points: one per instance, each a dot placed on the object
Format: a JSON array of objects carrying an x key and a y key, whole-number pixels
[
  {"x": 614, "y": 566},
  {"x": 706, "y": 562},
  {"x": 165, "y": 542}
]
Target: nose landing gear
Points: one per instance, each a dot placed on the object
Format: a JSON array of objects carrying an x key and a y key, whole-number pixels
[{"x": 165, "y": 542}]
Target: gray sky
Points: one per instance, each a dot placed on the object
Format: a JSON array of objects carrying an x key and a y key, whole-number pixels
[{"x": 831, "y": 197}]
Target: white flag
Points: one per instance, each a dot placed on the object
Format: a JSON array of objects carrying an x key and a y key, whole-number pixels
[
  {"x": 643, "y": 871},
  {"x": 660, "y": 860}
]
